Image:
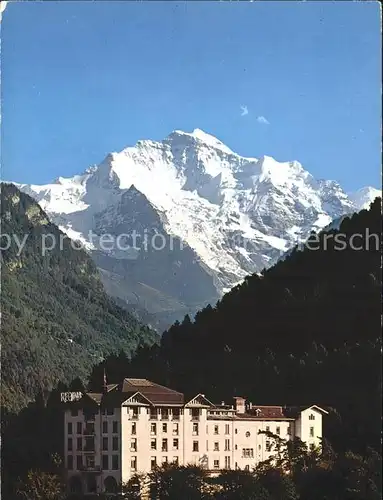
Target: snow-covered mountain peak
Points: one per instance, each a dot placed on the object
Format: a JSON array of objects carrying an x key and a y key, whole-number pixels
[
  {"x": 363, "y": 198},
  {"x": 201, "y": 138},
  {"x": 234, "y": 214}
]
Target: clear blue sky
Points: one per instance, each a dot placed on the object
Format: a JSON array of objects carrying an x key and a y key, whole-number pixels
[{"x": 81, "y": 79}]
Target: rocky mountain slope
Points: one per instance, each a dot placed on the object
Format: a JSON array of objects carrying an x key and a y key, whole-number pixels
[{"x": 174, "y": 224}]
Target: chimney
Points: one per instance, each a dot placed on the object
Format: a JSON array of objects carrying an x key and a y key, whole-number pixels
[{"x": 240, "y": 404}]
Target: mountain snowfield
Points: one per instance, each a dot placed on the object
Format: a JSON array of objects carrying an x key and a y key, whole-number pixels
[{"x": 228, "y": 216}]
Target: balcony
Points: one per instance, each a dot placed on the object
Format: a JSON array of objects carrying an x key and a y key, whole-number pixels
[
  {"x": 195, "y": 418},
  {"x": 89, "y": 449},
  {"x": 90, "y": 468},
  {"x": 175, "y": 417},
  {"x": 133, "y": 416},
  {"x": 153, "y": 416}
]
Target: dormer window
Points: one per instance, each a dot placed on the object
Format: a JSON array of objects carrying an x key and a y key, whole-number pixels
[{"x": 258, "y": 412}]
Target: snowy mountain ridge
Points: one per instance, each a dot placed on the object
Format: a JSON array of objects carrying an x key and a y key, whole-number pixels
[{"x": 236, "y": 215}]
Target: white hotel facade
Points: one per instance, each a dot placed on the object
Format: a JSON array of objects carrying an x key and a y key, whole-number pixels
[{"x": 134, "y": 426}]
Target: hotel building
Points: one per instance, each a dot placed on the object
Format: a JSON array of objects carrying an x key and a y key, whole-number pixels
[{"x": 134, "y": 426}]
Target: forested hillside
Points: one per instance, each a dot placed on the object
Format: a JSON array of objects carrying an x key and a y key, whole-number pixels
[
  {"x": 305, "y": 331},
  {"x": 57, "y": 321}
]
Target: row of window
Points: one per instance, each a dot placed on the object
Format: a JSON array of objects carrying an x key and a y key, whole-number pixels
[
  {"x": 90, "y": 415},
  {"x": 86, "y": 444},
  {"x": 153, "y": 429},
  {"x": 164, "y": 444},
  {"x": 88, "y": 462},
  {"x": 89, "y": 428}
]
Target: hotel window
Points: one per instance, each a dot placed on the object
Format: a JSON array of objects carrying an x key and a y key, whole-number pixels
[
  {"x": 70, "y": 462},
  {"x": 164, "y": 460},
  {"x": 79, "y": 462},
  {"x": 114, "y": 462},
  {"x": 104, "y": 443},
  {"x": 153, "y": 463},
  {"x": 278, "y": 431},
  {"x": 311, "y": 431},
  {"x": 247, "y": 467},
  {"x": 153, "y": 414},
  {"x": 89, "y": 444},
  {"x": 247, "y": 434},
  {"x": 133, "y": 444},
  {"x": 153, "y": 444},
  {"x": 115, "y": 427},
  {"x": 175, "y": 460},
  {"x": 164, "y": 445},
  {"x": 247, "y": 453},
  {"x": 105, "y": 462},
  {"x": 110, "y": 411},
  {"x": 227, "y": 462},
  {"x": 268, "y": 446},
  {"x": 164, "y": 427},
  {"x": 89, "y": 461},
  {"x": 70, "y": 428},
  {"x": 134, "y": 428},
  {"x": 216, "y": 429},
  {"x": 216, "y": 464},
  {"x": 312, "y": 447},
  {"x": 105, "y": 427},
  {"x": 164, "y": 414},
  {"x": 133, "y": 463},
  {"x": 135, "y": 413},
  {"x": 288, "y": 430},
  {"x": 227, "y": 429},
  {"x": 79, "y": 444},
  {"x": 153, "y": 429},
  {"x": 311, "y": 417},
  {"x": 267, "y": 428},
  {"x": 70, "y": 444},
  {"x": 79, "y": 427},
  {"x": 195, "y": 413},
  {"x": 236, "y": 431},
  {"x": 195, "y": 429},
  {"x": 175, "y": 444},
  {"x": 176, "y": 414},
  {"x": 227, "y": 444},
  {"x": 115, "y": 443},
  {"x": 195, "y": 445},
  {"x": 175, "y": 429},
  {"x": 216, "y": 446},
  {"x": 74, "y": 413}
]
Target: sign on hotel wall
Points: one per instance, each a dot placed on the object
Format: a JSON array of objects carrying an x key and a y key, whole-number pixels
[{"x": 67, "y": 397}]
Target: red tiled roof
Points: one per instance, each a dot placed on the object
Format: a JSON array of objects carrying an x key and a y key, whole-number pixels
[
  {"x": 266, "y": 411},
  {"x": 118, "y": 393}
]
